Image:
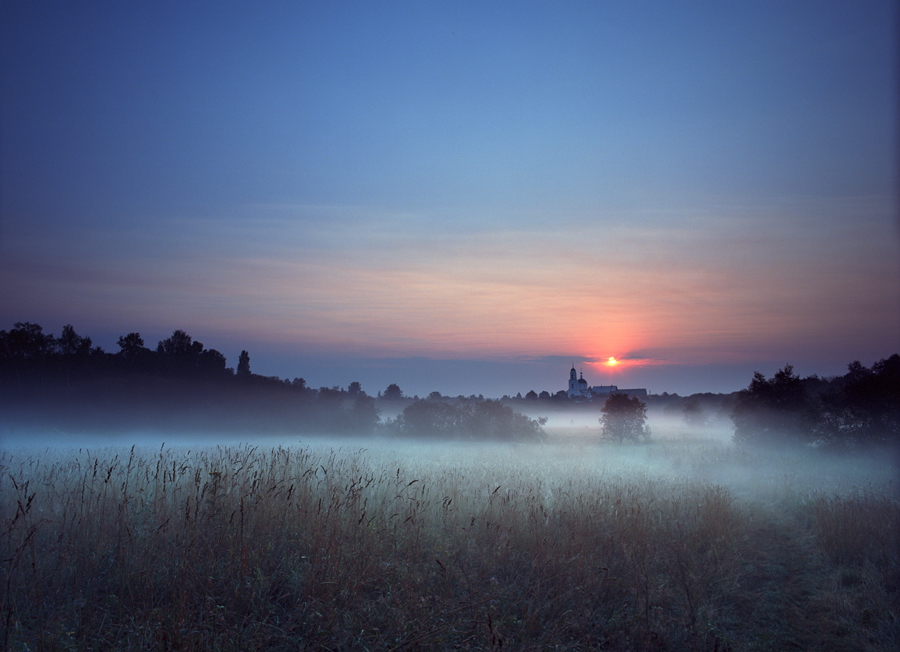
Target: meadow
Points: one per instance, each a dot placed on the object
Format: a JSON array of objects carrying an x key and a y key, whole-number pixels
[{"x": 680, "y": 544}]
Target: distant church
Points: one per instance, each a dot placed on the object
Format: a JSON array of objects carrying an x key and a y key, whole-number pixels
[{"x": 578, "y": 388}]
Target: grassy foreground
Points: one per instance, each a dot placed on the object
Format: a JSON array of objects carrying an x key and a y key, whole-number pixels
[{"x": 571, "y": 547}]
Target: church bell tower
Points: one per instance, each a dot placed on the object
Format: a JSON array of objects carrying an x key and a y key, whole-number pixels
[{"x": 573, "y": 382}]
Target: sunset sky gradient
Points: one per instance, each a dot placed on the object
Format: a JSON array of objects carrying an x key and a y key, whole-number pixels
[{"x": 463, "y": 197}]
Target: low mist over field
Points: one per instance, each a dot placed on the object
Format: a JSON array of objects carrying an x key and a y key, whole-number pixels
[
  {"x": 382, "y": 545},
  {"x": 569, "y": 452}
]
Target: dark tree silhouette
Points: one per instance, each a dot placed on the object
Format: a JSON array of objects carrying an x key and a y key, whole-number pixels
[
  {"x": 331, "y": 397},
  {"x": 73, "y": 353},
  {"x": 212, "y": 363},
  {"x": 774, "y": 410},
  {"x": 393, "y": 392},
  {"x": 26, "y": 341},
  {"x": 864, "y": 408},
  {"x": 131, "y": 346},
  {"x": 364, "y": 415},
  {"x": 179, "y": 345},
  {"x": 243, "y": 367},
  {"x": 182, "y": 356},
  {"x": 624, "y": 417},
  {"x": 24, "y": 352},
  {"x": 70, "y": 343}
]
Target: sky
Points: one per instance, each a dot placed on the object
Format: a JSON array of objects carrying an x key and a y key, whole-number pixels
[{"x": 463, "y": 197}]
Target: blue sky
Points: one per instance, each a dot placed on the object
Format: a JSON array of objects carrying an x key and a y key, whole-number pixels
[{"x": 461, "y": 197}]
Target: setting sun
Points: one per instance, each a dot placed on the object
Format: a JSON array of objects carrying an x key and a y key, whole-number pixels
[{"x": 612, "y": 362}]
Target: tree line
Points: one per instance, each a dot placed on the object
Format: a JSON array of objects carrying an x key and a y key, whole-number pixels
[
  {"x": 859, "y": 409},
  {"x": 67, "y": 383}
]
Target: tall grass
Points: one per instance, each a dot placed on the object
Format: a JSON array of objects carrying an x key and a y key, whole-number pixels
[{"x": 429, "y": 548}]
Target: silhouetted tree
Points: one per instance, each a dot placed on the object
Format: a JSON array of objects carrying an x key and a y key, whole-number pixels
[
  {"x": 775, "y": 410},
  {"x": 331, "y": 397},
  {"x": 364, "y": 414},
  {"x": 624, "y": 417},
  {"x": 74, "y": 352},
  {"x": 212, "y": 363},
  {"x": 863, "y": 406},
  {"x": 183, "y": 356},
  {"x": 488, "y": 419},
  {"x": 354, "y": 389},
  {"x": 132, "y": 347},
  {"x": 694, "y": 415},
  {"x": 393, "y": 392},
  {"x": 243, "y": 367},
  {"x": 26, "y": 341},
  {"x": 70, "y": 343},
  {"x": 24, "y": 352},
  {"x": 531, "y": 395},
  {"x": 179, "y": 345}
]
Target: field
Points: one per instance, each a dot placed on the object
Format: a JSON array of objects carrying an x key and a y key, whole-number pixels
[{"x": 673, "y": 545}]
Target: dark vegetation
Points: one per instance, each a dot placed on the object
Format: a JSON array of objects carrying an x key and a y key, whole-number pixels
[
  {"x": 469, "y": 420},
  {"x": 66, "y": 384},
  {"x": 858, "y": 410},
  {"x": 624, "y": 418}
]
